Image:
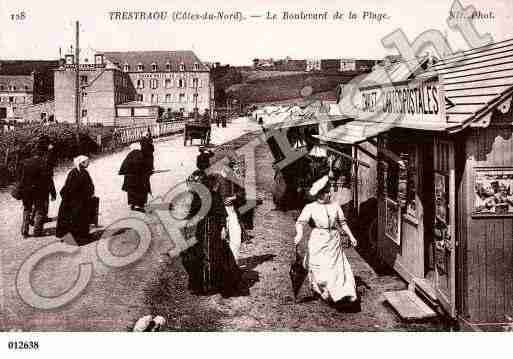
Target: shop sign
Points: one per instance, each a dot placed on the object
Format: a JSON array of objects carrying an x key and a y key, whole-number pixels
[{"x": 416, "y": 101}]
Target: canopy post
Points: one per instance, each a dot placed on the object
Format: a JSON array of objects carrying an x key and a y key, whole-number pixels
[{"x": 355, "y": 178}]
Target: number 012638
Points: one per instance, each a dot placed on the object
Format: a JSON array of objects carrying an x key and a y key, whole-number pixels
[{"x": 23, "y": 345}]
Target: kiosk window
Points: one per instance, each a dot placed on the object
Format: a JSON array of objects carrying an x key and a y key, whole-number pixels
[{"x": 401, "y": 184}]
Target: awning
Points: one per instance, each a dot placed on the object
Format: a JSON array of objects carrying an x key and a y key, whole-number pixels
[{"x": 354, "y": 132}]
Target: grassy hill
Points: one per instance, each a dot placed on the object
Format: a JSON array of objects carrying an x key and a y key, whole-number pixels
[{"x": 277, "y": 86}]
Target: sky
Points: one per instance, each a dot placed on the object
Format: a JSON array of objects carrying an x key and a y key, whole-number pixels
[{"x": 49, "y": 25}]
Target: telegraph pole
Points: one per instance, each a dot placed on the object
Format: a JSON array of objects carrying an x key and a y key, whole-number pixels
[{"x": 77, "y": 84}]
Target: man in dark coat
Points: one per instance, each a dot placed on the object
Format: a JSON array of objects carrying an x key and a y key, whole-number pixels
[
  {"x": 50, "y": 156},
  {"x": 137, "y": 172},
  {"x": 36, "y": 185}
]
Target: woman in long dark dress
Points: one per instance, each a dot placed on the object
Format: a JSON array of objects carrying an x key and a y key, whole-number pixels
[
  {"x": 210, "y": 263},
  {"x": 137, "y": 170},
  {"x": 75, "y": 209}
]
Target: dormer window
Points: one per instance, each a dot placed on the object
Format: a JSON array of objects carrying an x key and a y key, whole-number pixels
[
  {"x": 153, "y": 67},
  {"x": 196, "y": 66},
  {"x": 168, "y": 67},
  {"x": 139, "y": 67},
  {"x": 126, "y": 67},
  {"x": 182, "y": 67},
  {"x": 98, "y": 59}
]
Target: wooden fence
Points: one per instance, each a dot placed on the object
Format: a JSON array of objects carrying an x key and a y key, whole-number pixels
[{"x": 127, "y": 135}]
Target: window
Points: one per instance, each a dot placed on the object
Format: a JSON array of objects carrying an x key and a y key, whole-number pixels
[
  {"x": 154, "y": 83},
  {"x": 84, "y": 95},
  {"x": 83, "y": 79},
  {"x": 195, "y": 82},
  {"x": 154, "y": 98},
  {"x": 2, "y": 87},
  {"x": 196, "y": 66},
  {"x": 126, "y": 68},
  {"x": 22, "y": 99},
  {"x": 11, "y": 99},
  {"x": 43, "y": 116},
  {"x": 26, "y": 88},
  {"x": 168, "y": 97},
  {"x": 154, "y": 67},
  {"x": 140, "y": 84},
  {"x": 401, "y": 183},
  {"x": 139, "y": 67},
  {"x": 182, "y": 67},
  {"x": 167, "y": 83},
  {"x": 84, "y": 112},
  {"x": 140, "y": 97},
  {"x": 181, "y": 83},
  {"x": 182, "y": 97},
  {"x": 168, "y": 66}
]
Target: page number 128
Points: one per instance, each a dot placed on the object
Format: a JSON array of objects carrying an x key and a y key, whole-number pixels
[{"x": 20, "y": 16}]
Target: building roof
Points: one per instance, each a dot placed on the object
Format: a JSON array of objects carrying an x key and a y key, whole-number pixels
[
  {"x": 160, "y": 58},
  {"x": 26, "y": 67},
  {"x": 475, "y": 82},
  {"x": 137, "y": 104}
]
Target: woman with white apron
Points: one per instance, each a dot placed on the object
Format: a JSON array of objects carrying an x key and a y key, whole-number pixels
[{"x": 329, "y": 270}]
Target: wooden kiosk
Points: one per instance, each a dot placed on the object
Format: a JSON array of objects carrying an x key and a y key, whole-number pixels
[{"x": 444, "y": 144}]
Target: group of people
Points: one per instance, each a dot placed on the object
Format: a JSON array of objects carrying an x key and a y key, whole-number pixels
[
  {"x": 212, "y": 263},
  {"x": 36, "y": 187}
]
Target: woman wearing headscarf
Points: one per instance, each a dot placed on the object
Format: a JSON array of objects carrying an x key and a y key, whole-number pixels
[
  {"x": 137, "y": 172},
  {"x": 330, "y": 274},
  {"x": 75, "y": 209}
]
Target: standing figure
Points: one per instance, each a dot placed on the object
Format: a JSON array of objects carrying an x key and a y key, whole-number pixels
[
  {"x": 137, "y": 172},
  {"x": 50, "y": 157},
  {"x": 330, "y": 274},
  {"x": 148, "y": 149},
  {"x": 36, "y": 185},
  {"x": 76, "y": 207},
  {"x": 229, "y": 191},
  {"x": 209, "y": 262},
  {"x": 216, "y": 117}
]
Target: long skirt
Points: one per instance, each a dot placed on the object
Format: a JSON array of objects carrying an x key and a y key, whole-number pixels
[
  {"x": 234, "y": 231},
  {"x": 74, "y": 217},
  {"x": 210, "y": 263},
  {"x": 329, "y": 270},
  {"x": 137, "y": 198}
]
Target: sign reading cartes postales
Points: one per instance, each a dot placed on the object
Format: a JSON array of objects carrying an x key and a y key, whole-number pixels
[{"x": 418, "y": 100}]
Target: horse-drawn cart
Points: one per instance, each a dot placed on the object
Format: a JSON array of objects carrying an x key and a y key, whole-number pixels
[{"x": 197, "y": 130}]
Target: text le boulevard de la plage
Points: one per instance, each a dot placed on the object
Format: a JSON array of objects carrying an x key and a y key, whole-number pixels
[{"x": 239, "y": 16}]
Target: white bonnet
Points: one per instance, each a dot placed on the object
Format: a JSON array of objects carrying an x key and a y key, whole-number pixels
[
  {"x": 319, "y": 185},
  {"x": 79, "y": 159},
  {"x": 135, "y": 146}
]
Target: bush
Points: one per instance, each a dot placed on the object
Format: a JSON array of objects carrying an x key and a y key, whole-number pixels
[{"x": 20, "y": 143}]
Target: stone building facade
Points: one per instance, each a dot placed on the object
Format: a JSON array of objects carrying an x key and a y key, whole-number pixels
[
  {"x": 24, "y": 83},
  {"x": 175, "y": 81},
  {"x": 102, "y": 87}
]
